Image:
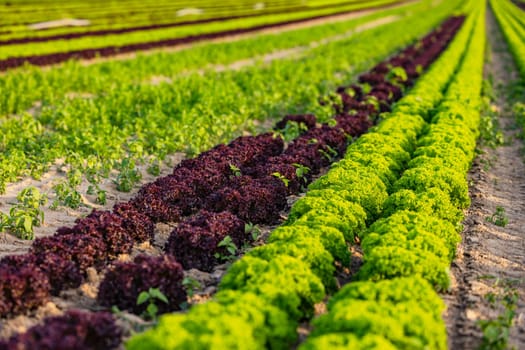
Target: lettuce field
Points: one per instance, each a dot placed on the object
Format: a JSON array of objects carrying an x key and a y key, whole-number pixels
[{"x": 299, "y": 174}]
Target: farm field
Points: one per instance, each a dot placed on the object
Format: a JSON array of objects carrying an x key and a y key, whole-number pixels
[{"x": 301, "y": 174}]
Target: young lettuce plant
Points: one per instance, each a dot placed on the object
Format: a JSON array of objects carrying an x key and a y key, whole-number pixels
[
  {"x": 26, "y": 214},
  {"x": 128, "y": 175},
  {"x": 152, "y": 297},
  {"x": 231, "y": 248}
]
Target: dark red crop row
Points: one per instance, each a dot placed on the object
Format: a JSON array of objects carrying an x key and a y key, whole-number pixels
[
  {"x": 220, "y": 191},
  {"x": 53, "y": 58}
]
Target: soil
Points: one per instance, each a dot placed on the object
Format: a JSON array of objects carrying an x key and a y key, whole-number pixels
[{"x": 491, "y": 259}]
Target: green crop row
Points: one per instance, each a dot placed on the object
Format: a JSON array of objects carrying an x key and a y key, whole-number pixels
[
  {"x": 129, "y": 14},
  {"x": 408, "y": 251},
  {"x": 267, "y": 292},
  {"x": 195, "y": 111},
  {"x": 510, "y": 19},
  {"x": 129, "y": 11},
  {"x": 22, "y": 87},
  {"x": 94, "y": 42}
]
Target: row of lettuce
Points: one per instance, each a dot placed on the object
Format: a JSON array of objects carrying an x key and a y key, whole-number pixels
[
  {"x": 512, "y": 23},
  {"x": 50, "y": 86},
  {"x": 245, "y": 181},
  {"x": 65, "y": 45},
  {"x": 408, "y": 251},
  {"x": 18, "y": 18},
  {"x": 195, "y": 240},
  {"x": 511, "y": 20},
  {"x": 413, "y": 231},
  {"x": 192, "y": 113}
]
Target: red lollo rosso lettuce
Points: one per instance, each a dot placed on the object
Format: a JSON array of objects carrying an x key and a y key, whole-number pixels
[
  {"x": 23, "y": 286},
  {"x": 83, "y": 250},
  {"x": 104, "y": 225},
  {"x": 308, "y": 120},
  {"x": 252, "y": 200},
  {"x": 75, "y": 330},
  {"x": 138, "y": 225},
  {"x": 124, "y": 282},
  {"x": 150, "y": 202},
  {"x": 354, "y": 125},
  {"x": 195, "y": 242}
]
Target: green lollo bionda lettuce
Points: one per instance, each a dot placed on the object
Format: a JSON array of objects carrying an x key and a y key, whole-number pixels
[
  {"x": 398, "y": 290},
  {"x": 307, "y": 249},
  {"x": 361, "y": 186},
  {"x": 346, "y": 216},
  {"x": 414, "y": 240},
  {"x": 426, "y": 176},
  {"x": 434, "y": 202},
  {"x": 381, "y": 165},
  {"x": 403, "y": 128},
  {"x": 386, "y": 145},
  {"x": 331, "y": 238},
  {"x": 344, "y": 341},
  {"x": 234, "y": 320},
  {"x": 411, "y": 223},
  {"x": 404, "y": 324},
  {"x": 390, "y": 262},
  {"x": 285, "y": 282}
]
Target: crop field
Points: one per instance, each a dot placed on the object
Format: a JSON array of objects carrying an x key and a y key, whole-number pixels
[{"x": 275, "y": 174}]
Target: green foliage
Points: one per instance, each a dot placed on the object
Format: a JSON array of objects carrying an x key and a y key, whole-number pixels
[
  {"x": 405, "y": 324},
  {"x": 490, "y": 133},
  {"x": 377, "y": 163},
  {"x": 342, "y": 341},
  {"x": 397, "y": 290},
  {"x": 154, "y": 166},
  {"x": 361, "y": 186},
  {"x": 66, "y": 191},
  {"x": 402, "y": 129},
  {"x": 100, "y": 194},
  {"x": 428, "y": 175},
  {"x": 219, "y": 330},
  {"x": 499, "y": 218},
  {"x": 386, "y": 145},
  {"x": 128, "y": 175},
  {"x": 433, "y": 202},
  {"x": 231, "y": 248},
  {"x": 25, "y": 214},
  {"x": 307, "y": 249},
  {"x": 332, "y": 239},
  {"x": 152, "y": 297},
  {"x": 285, "y": 282},
  {"x": 390, "y": 262},
  {"x": 253, "y": 230},
  {"x": 301, "y": 171},
  {"x": 330, "y": 154},
  {"x": 233, "y": 320},
  {"x": 190, "y": 285},
  {"x": 275, "y": 327},
  {"x": 282, "y": 178},
  {"x": 291, "y": 131},
  {"x": 350, "y": 217},
  {"x": 410, "y": 224},
  {"x": 496, "y": 331},
  {"x": 235, "y": 170}
]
